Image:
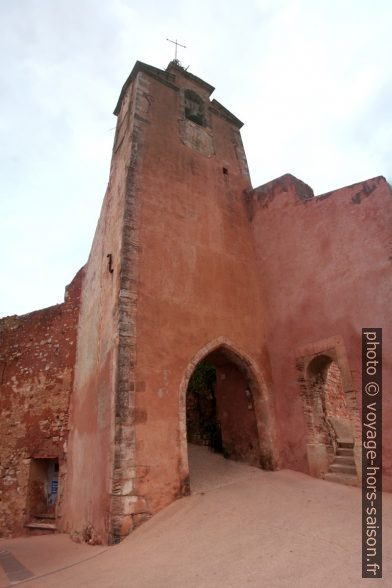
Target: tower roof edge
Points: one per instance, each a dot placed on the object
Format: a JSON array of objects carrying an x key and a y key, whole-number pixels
[
  {"x": 161, "y": 74},
  {"x": 175, "y": 66},
  {"x": 166, "y": 76}
]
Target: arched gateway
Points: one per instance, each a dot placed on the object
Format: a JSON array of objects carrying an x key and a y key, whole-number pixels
[{"x": 224, "y": 404}]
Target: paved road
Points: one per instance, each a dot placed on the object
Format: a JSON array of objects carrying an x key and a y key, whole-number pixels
[{"x": 242, "y": 527}]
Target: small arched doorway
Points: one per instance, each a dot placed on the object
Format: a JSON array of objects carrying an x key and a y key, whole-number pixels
[
  {"x": 226, "y": 410},
  {"x": 330, "y": 427}
]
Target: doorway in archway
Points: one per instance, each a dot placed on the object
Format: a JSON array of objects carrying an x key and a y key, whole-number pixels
[
  {"x": 331, "y": 441},
  {"x": 202, "y": 421},
  {"x": 220, "y": 411}
]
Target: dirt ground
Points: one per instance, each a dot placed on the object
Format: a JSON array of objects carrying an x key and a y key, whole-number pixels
[{"x": 241, "y": 527}]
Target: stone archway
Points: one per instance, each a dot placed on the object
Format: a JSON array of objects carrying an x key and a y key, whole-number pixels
[
  {"x": 330, "y": 420},
  {"x": 243, "y": 414}
]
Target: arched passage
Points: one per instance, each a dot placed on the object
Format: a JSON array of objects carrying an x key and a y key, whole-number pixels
[
  {"x": 329, "y": 419},
  {"x": 230, "y": 412}
]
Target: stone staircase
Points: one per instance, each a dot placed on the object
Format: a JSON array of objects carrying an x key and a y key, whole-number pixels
[{"x": 342, "y": 469}]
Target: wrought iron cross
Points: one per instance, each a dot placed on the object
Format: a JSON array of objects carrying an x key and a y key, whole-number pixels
[{"x": 177, "y": 44}]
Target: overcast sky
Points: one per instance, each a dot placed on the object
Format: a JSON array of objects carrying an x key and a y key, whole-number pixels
[{"x": 311, "y": 80}]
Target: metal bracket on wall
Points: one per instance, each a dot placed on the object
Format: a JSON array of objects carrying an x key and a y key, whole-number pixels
[{"x": 110, "y": 259}]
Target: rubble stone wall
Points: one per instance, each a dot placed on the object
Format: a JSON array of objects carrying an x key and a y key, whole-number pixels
[{"x": 37, "y": 355}]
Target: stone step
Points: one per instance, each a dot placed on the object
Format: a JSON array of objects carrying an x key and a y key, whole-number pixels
[
  {"x": 344, "y": 451},
  {"x": 346, "y": 444},
  {"x": 344, "y": 459},
  {"x": 346, "y": 479},
  {"x": 337, "y": 468},
  {"x": 44, "y": 516},
  {"x": 42, "y": 526}
]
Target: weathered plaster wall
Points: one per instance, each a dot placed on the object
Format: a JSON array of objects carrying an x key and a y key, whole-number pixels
[
  {"x": 197, "y": 279},
  {"x": 98, "y": 387},
  {"x": 174, "y": 220},
  {"x": 325, "y": 266},
  {"x": 37, "y": 355}
]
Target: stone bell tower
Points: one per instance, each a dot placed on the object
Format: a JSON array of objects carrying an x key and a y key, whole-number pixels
[
  {"x": 171, "y": 269},
  {"x": 190, "y": 268}
]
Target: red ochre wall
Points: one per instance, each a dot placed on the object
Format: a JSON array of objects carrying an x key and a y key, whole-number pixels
[
  {"x": 240, "y": 438},
  {"x": 198, "y": 280},
  {"x": 37, "y": 356},
  {"x": 325, "y": 268},
  {"x": 94, "y": 407},
  {"x": 184, "y": 281}
]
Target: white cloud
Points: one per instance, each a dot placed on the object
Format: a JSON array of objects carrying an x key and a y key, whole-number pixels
[{"x": 311, "y": 80}]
